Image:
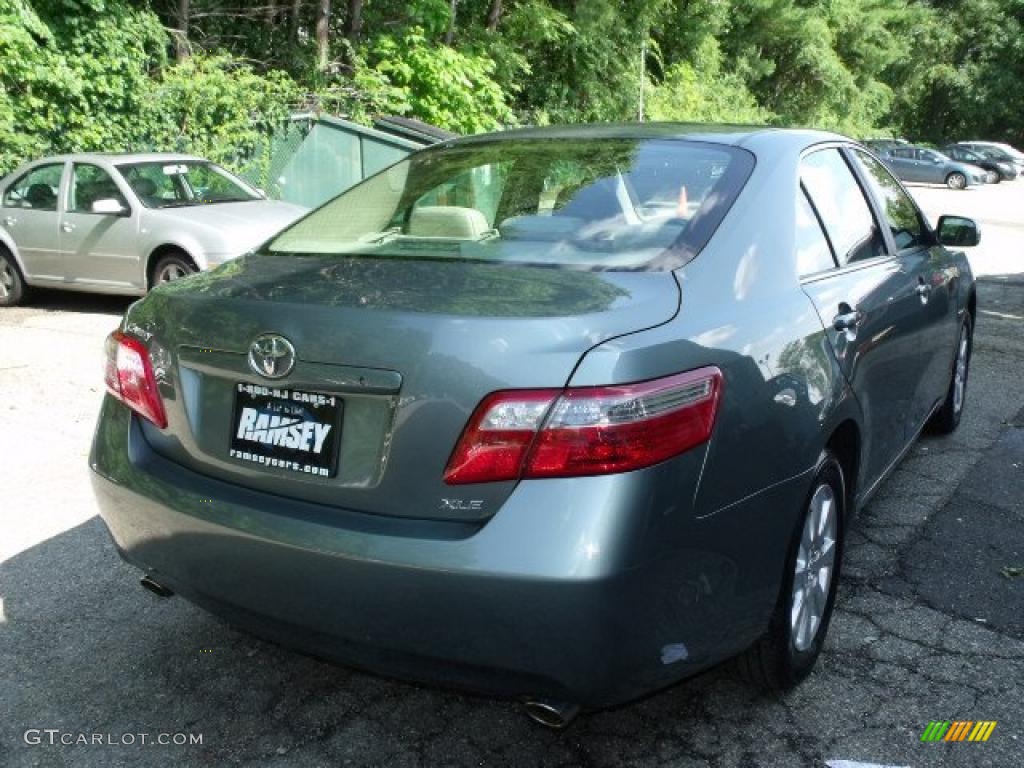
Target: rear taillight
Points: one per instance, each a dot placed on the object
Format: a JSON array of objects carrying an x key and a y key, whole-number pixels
[
  {"x": 585, "y": 430},
  {"x": 129, "y": 377}
]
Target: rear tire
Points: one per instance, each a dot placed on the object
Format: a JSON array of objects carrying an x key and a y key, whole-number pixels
[
  {"x": 956, "y": 180},
  {"x": 786, "y": 653},
  {"x": 13, "y": 289},
  {"x": 173, "y": 265},
  {"x": 947, "y": 418}
]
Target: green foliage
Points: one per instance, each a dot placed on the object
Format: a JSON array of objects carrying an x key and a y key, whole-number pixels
[
  {"x": 437, "y": 83},
  {"x": 217, "y": 107},
  {"x": 97, "y": 74},
  {"x": 702, "y": 92},
  {"x": 74, "y": 74}
]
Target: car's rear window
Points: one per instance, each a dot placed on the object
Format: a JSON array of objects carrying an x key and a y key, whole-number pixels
[{"x": 592, "y": 204}]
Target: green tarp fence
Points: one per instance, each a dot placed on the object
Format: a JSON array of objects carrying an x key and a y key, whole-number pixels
[{"x": 316, "y": 157}]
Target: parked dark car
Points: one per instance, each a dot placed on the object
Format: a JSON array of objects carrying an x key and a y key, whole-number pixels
[
  {"x": 565, "y": 414},
  {"x": 997, "y": 151},
  {"x": 1002, "y": 170},
  {"x": 927, "y": 166}
]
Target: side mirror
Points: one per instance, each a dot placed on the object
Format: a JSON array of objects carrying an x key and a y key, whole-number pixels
[
  {"x": 958, "y": 231},
  {"x": 110, "y": 207}
]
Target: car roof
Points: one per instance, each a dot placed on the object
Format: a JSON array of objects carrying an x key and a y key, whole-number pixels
[
  {"x": 735, "y": 135},
  {"x": 122, "y": 158}
]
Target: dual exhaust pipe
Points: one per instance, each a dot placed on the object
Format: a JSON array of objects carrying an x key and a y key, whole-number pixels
[{"x": 551, "y": 714}]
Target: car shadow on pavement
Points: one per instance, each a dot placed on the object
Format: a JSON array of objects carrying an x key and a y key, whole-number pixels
[
  {"x": 72, "y": 301},
  {"x": 85, "y": 649}
]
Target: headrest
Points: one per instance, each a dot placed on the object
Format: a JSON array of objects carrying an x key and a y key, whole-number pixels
[
  {"x": 145, "y": 187},
  {"x": 448, "y": 221}
]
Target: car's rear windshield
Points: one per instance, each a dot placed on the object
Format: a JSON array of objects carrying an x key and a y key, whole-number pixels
[{"x": 591, "y": 204}]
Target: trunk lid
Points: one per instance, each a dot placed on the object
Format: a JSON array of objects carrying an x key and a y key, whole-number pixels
[{"x": 408, "y": 347}]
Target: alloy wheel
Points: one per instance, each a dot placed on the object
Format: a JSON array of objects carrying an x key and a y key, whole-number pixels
[
  {"x": 960, "y": 373},
  {"x": 815, "y": 567},
  {"x": 6, "y": 280},
  {"x": 171, "y": 272}
]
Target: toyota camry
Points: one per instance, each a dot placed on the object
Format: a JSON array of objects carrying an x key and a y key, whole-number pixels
[{"x": 563, "y": 415}]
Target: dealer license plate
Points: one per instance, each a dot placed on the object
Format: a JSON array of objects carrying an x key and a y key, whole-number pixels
[{"x": 285, "y": 428}]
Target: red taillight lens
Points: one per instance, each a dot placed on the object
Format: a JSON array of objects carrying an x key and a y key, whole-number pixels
[
  {"x": 586, "y": 430},
  {"x": 498, "y": 435},
  {"x": 129, "y": 377}
]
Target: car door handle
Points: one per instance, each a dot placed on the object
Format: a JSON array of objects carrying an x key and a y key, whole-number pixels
[
  {"x": 847, "y": 321},
  {"x": 67, "y": 226},
  {"x": 10, "y": 221}
]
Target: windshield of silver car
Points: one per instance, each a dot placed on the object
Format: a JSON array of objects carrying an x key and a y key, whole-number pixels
[
  {"x": 591, "y": 204},
  {"x": 179, "y": 183}
]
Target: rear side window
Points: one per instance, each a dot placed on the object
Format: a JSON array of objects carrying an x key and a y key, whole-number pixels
[
  {"x": 813, "y": 253},
  {"x": 589, "y": 204},
  {"x": 908, "y": 230},
  {"x": 37, "y": 189},
  {"x": 840, "y": 202}
]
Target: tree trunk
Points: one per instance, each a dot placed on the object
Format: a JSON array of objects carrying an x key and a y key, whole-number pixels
[
  {"x": 450, "y": 35},
  {"x": 323, "y": 25},
  {"x": 181, "y": 38},
  {"x": 494, "y": 16},
  {"x": 354, "y": 21},
  {"x": 296, "y": 17},
  {"x": 271, "y": 11}
]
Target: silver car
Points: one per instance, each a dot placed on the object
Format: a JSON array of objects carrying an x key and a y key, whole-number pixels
[{"x": 123, "y": 223}]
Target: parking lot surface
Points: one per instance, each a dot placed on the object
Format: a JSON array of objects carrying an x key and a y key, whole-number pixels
[{"x": 928, "y": 624}]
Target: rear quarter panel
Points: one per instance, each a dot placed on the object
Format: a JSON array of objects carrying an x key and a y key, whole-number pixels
[{"x": 743, "y": 310}]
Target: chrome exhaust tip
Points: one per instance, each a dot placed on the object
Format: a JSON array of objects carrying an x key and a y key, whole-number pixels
[
  {"x": 155, "y": 587},
  {"x": 551, "y": 714}
]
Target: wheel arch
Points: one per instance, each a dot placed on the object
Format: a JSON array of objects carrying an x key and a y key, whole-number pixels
[
  {"x": 846, "y": 444},
  {"x": 972, "y": 305},
  {"x": 7, "y": 244}
]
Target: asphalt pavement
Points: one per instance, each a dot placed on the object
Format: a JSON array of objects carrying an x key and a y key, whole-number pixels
[{"x": 928, "y": 622}]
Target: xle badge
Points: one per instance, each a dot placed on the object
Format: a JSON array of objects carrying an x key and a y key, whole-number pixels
[{"x": 462, "y": 505}]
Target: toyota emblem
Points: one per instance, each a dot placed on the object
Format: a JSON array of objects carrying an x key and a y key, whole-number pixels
[{"x": 272, "y": 356}]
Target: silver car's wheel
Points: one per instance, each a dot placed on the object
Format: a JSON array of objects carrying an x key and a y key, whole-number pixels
[
  {"x": 815, "y": 565},
  {"x": 6, "y": 280},
  {"x": 172, "y": 271},
  {"x": 956, "y": 181},
  {"x": 171, "y": 267},
  {"x": 12, "y": 287}
]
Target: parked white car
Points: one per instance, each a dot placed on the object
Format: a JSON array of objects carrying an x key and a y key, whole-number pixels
[{"x": 121, "y": 224}]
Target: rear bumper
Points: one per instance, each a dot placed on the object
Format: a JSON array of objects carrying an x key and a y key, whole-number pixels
[{"x": 564, "y": 593}]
